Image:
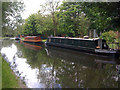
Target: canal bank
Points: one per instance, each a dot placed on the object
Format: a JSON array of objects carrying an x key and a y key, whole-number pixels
[{"x": 9, "y": 79}]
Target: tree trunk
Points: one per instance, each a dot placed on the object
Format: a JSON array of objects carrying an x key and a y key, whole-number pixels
[{"x": 54, "y": 24}]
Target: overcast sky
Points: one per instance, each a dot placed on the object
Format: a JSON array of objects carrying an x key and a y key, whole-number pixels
[{"x": 32, "y": 6}]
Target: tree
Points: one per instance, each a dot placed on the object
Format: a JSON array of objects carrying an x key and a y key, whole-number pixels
[
  {"x": 103, "y": 15},
  {"x": 72, "y": 19},
  {"x": 7, "y": 31},
  {"x": 51, "y": 7},
  {"x": 43, "y": 23},
  {"x": 37, "y": 24},
  {"x": 11, "y": 14},
  {"x": 18, "y": 30},
  {"x": 30, "y": 25}
]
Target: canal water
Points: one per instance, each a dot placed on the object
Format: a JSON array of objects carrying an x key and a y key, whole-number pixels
[{"x": 51, "y": 67}]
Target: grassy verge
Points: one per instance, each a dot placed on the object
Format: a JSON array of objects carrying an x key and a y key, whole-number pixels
[
  {"x": 0, "y": 72},
  {"x": 44, "y": 40},
  {"x": 9, "y": 79}
]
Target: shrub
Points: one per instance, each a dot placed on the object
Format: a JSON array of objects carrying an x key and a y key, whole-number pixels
[{"x": 108, "y": 36}]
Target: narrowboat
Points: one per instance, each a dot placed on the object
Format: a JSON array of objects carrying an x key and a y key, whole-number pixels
[
  {"x": 95, "y": 45},
  {"x": 32, "y": 39}
]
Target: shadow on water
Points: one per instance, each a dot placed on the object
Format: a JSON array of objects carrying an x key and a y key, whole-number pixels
[
  {"x": 94, "y": 71},
  {"x": 52, "y": 67}
]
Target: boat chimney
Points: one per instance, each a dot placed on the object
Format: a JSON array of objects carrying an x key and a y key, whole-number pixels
[{"x": 86, "y": 37}]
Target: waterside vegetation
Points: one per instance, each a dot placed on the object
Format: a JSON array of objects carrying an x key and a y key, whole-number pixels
[{"x": 9, "y": 79}]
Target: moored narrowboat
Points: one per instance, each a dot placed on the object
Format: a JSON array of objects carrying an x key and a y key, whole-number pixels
[
  {"x": 32, "y": 39},
  {"x": 95, "y": 45}
]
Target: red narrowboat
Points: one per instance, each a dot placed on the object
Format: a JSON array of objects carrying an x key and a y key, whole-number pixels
[{"x": 32, "y": 39}]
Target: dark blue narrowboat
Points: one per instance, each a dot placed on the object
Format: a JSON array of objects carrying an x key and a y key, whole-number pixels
[{"x": 95, "y": 45}]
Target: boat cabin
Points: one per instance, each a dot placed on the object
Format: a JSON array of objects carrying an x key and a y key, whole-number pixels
[
  {"x": 95, "y": 43},
  {"x": 32, "y": 39}
]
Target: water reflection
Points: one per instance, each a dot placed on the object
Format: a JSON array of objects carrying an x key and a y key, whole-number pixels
[
  {"x": 85, "y": 70},
  {"x": 59, "y": 68}
]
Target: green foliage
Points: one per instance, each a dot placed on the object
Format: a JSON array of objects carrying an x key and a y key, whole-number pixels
[
  {"x": 72, "y": 19},
  {"x": 37, "y": 24},
  {"x": 103, "y": 15},
  {"x": 8, "y": 78},
  {"x": 7, "y": 31},
  {"x": 78, "y": 17},
  {"x": 11, "y": 16},
  {"x": 30, "y": 25},
  {"x": 108, "y": 36},
  {"x": 51, "y": 7},
  {"x": 11, "y": 13},
  {"x": 18, "y": 30}
]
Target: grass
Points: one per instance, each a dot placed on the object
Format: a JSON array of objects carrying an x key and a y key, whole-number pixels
[
  {"x": 44, "y": 40},
  {"x": 0, "y": 72},
  {"x": 9, "y": 79}
]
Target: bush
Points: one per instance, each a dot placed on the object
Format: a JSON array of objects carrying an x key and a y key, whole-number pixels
[{"x": 108, "y": 36}]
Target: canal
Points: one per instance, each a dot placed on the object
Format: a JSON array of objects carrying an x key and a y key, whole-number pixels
[{"x": 51, "y": 67}]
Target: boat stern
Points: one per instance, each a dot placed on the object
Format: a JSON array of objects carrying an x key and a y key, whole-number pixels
[{"x": 107, "y": 52}]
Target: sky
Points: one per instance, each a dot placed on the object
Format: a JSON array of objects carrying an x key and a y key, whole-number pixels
[{"x": 32, "y": 6}]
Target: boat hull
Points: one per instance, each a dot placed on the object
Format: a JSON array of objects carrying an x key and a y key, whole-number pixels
[
  {"x": 109, "y": 53},
  {"x": 32, "y": 42},
  {"x": 84, "y": 49},
  {"x": 102, "y": 52}
]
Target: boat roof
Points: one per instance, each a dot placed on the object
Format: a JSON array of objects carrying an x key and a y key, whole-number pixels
[
  {"x": 76, "y": 38},
  {"x": 31, "y": 36}
]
